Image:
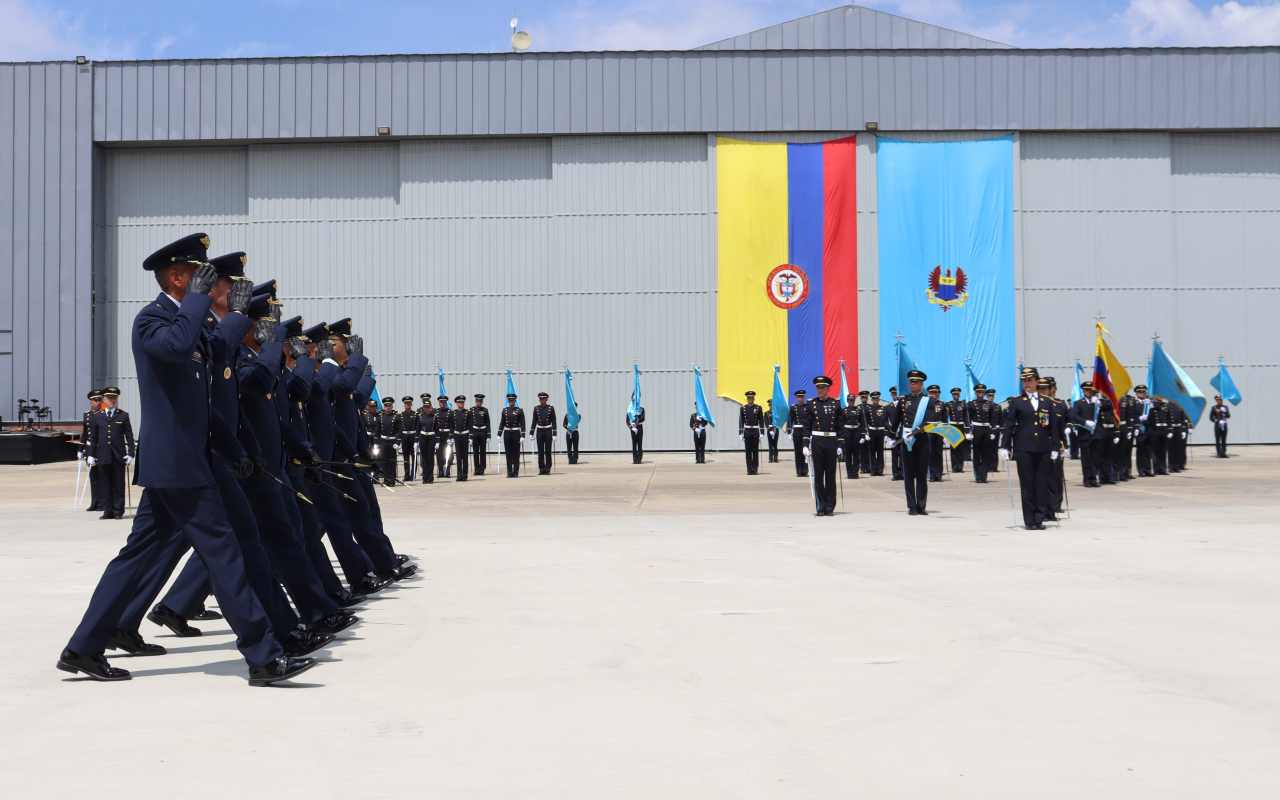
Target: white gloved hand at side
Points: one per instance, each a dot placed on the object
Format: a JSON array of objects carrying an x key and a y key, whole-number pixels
[
  {"x": 1168, "y": 436},
  {"x": 1184, "y": 434},
  {"x": 1053, "y": 456},
  {"x": 839, "y": 451},
  {"x": 92, "y": 461},
  {"x": 129, "y": 459},
  {"x": 888, "y": 441},
  {"x": 806, "y": 452},
  {"x": 742, "y": 438},
  {"x": 1116, "y": 440},
  {"x": 1091, "y": 424},
  {"x": 554, "y": 437},
  {"x": 417, "y": 447},
  {"x": 80, "y": 456},
  {"x": 969, "y": 436},
  {"x": 1004, "y": 454}
]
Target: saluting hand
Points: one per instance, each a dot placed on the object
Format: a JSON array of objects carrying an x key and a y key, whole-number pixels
[
  {"x": 355, "y": 344},
  {"x": 297, "y": 347},
  {"x": 264, "y": 330},
  {"x": 324, "y": 350},
  {"x": 204, "y": 279},
  {"x": 240, "y": 296}
]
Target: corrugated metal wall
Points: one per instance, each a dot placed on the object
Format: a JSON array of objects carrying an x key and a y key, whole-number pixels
[{"x": 46, "y": 236}]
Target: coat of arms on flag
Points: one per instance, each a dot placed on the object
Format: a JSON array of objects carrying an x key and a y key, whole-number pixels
[
  {"x": 788, "y": 286},
  {"x": 945, "y": 290}
]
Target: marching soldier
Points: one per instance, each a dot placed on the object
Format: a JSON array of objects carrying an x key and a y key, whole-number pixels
[
  {"x": 879, "y": 424},
  {"x": 824, "y": 440},
  {"x": 1218, "y": 415},
  {"x": 895, "y": 452},
  {"x": 410, "y": 428},
  {"x": 936, "y": 446},
  {"x": 111, "y": 450},
  {"x": 511, "y": 428},
  {"x": 984, "y": 432},
  {"x": 571, "y": 438},
  {"x": 853, "y": 430},
  {"x": 444, "y": 437},
  {"x": 797, "y": 427},
  {"x": 426, "y": 445},
  {"x": 95, "y": 406},
  {"x": 462, "y": 422},
  {"x": 750, "y": 421},
  {"x": 543, "y": 428},
  {"x": 1030, "y": 436},
  {"x": 915, "y": 410},
  {"x": 480, "y": 433},
  {"x": 637, "y": 436},
  {"x": 699, "y": 427},
  {"x": 388, "y": 432},
  {"x": 957, "y": 412},
  {"x": 772, "y": 432}
]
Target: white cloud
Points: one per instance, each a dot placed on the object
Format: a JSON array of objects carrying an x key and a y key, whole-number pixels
[
  {"x": 162, "y": 44},
  {"x": 1178, "y": 22},
  {"x": 251, "y": 49},
  {"x": 29, "y": 34}
]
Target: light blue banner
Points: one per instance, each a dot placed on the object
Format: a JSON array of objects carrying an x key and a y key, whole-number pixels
[
  {"x": 781, "y": 409},
  {"x": 633, "y": 408},
  {"x": 572, "y": 416},
  {"x": 511, "y": 387},
  {"x": 946, "y": 258},
  {"x": 700, "y": 397},
  {"x": 1225, "y": 386},
  {"x": 1170, "y": 381}
]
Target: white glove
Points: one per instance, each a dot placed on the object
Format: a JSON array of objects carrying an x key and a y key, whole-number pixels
[
  {"x": 397, "y": 447},
  {"x": 1053, "y": 456},
  {"x": 839, "y": 451},
  {"x": 742, "y": 438},
  {"x": 417, "y": 447},
  {"x": 437, "y": 447},
  {"x": 969, "y": 436},
  {"x": 1004, "y": 454},
  {"x": 1184, "y": 434},
  {"x": 1222, "y": 423},
  {"x": 92, "y": 461},
  {"x": 531, "y": 437},
  {"x": 80, "y": 455},
  {"x": 888, "y": 441},
  {"x": 1091, "y": 424},
  {"x": 1116, "y": 440},
  {"x": 909, "y": 436},
  {"x": 554, "y": 437},
  {"x": 806, "y": 452},
  {"x": 865, "y": 439},
  {"x": 1169, "y": 436},
  {"x": 129, "y": 459}
]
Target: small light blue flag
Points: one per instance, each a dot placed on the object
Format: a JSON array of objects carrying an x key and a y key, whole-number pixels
[
  {"x": 781, "y": 409},
  {"x": 1018, "y": 380},
  {"x": 511, "y": 388},
  {"x": 1077, "y": 391},
  {"x": 1168, "y": 380},
  {"x": 905, "y": 365},
  {"x": 699, "y": 397},
  {"x": 844, "y": 385},
  {"x": 377, "y": 398},
  {"x": 443, "y": 392},
  {"x": 633, "y": 410},
  {"x": 972, "y": 381},
  {"x": 1225, "y": 386},
  {"x": 571, "y": 414}
]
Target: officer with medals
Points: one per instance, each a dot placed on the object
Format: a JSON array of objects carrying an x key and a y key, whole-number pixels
[
  {"x": 1090, "y": 414},
  {"x": 511, "y": 427},
  {"x": 915, "y": 410},
  {"x": 1218, "y": 416},
  {"x": 444, "y": 437},
  {"x": 461, "y": 423},
  {"x": 110, "y": 452},
  {"x": 388, "y": 431},
  {"x": 750, "y": 421},
  {"x": 481, "y": 430},
  {"x": 427, "y": 438},
  {"x": 936, "y": 446},
  {"x": 699, "y": 427},
  {"x": 95, "y": 406},
  {"x": 824, "y": 441},
  {"x": 1159, "y": 421},
  {"x": 984, "y": 432},
  {"x": 895, "y": 452},
  {"x": 543, "y": 428},
  {"x": 957, "y": 414},
  {"x": 797, "y": 429},
  {"x": 772, "y": 432},
  {"x": 1030, "y": 436},
  {"x": 410, "y": 429},
  {"x": 879, "y": 424}
]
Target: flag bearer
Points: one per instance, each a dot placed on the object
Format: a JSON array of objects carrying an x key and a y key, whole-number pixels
[
  {"x": 915, "y": 410},
  {"x": 699, "y": 427},
  {"x": 772, "y": 432},
  {"x": 1218, "y": 415}
]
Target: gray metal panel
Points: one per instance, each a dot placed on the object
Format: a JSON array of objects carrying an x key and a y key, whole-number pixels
[{"x": 897, "y": 32}]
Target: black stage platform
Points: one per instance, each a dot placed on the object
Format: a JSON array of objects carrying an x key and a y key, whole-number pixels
[{"x": 39, "y": 447}]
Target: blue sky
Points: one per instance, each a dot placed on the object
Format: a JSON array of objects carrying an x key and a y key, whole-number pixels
[{"x": 109, "y": 29}]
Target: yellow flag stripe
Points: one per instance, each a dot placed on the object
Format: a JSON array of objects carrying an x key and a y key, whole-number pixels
[{"x": 751, "y": 331}]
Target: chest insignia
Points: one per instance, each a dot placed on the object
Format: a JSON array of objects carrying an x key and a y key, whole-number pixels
[{"x": 226, "y": 374}]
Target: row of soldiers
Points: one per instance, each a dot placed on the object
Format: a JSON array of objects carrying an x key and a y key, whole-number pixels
[
  {"x": 106, "y": 443},
  {"x": 252, "y": 452}
]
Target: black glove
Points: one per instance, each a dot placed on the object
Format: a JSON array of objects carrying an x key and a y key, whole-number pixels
[
  {"x": 259, "y": 466},
  {"x": 240, "y": 296},
  {"x": 244, "y": 467},
  {"x": 204, "y": 279},
  {"x": 297, "y": 347},
  {"x": 313, "y": 456},
  {"x": 264, "y": 330},
  {"x": 324, "y": 350},
  {"x": 312, "y": 475},
  {"x": 368, "y": 371},
  {"x": 355, "y": 345}
]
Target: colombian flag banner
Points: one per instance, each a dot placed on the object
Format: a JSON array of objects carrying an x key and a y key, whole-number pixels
[
  {"x": 788, "y": 263},
  {"x": 1109, "y": 375}
]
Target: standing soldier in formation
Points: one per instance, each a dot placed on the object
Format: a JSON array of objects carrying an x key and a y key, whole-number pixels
[
  {"x": 1218, "y": 415},
  {"x": 862, "y": 415},
  {"x": 387, "y": 430},
  {"x": 750, "y": 421},
  {"x": 1128, "y": 433},
  {"x": 994, "y": 465},
  {"x": 95, "y": 406},
  {"x": 936, "y": 446},
  {"x": 699, "y": 427},
  {"x": 111, "y": 451},
  {"x": 852, "y": 429},
  {"x": 637, "y": 436},
  {"x": 1030, "y": 437},
  {"x": 1061, "y": 413},
  {"x": 958, "y": 416},
  {"x": 369, "y": 416},
  {"x": 1181, "y": 430},
  {"x": 481, "y": 430},
  {"x": 1144, "y": 439},
  {"x": 511, "y": 430},
  {"x": 772, "y": 431},
  {"x": 543, "y": 428},
  {"x": 915, "y": 410},
  {"x": 426, "y": 445},
  {"x": 983, "y": 432},
  {"x": 571, "y": 438},
  {"x": 1159, "y": 420},
  {"x": 797, "y": 429},
  {"x": 410, "y": 428},
  {"x": 1087, "y": 416},
  {"x": 461, "y": 424},
  {"x": 895, "y": 452},
  {"x": 879, "y": 424},
  {"x": 444, "y": 437},
  {"x": 824, "y": 440}
]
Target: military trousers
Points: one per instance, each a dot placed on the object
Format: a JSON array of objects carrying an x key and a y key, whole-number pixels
[
  {"x": 852, "y": 451},
  {"x": 1160, "y": 451},
  {"x": 700, "y": 449},
  {"x": 479, "y": 446},
  {"x": 959, "y": 455},
  {"x": 915, "y": 470},
  {"x": 542, "y": 437},
  {"x": 95, "y": 491},
  {"x": 637, "y": 444},
  {"x": 750, "y": 444},
  {"x": 511, "y": 439},
  {"x": 162, "y": 514},
  {"x": 571, "y": 446},
  {"x": 283, "y": 543},
  {"x": 407, "y": 442},
  {"x": 311, "y": 532},
  {"x": 1220, "y": 440},
  {"x": 773, "y": 446},
  {"x": 111, "y": 487},
  {"x": 825, "y": 462},
  {"x": 427, "y": 455},
  {"x": 797, "y": 445},
  {"x": 1146, "y": 447},
  {"x": 1033, "y": 478},
  {"x": 460, "y": 444}
]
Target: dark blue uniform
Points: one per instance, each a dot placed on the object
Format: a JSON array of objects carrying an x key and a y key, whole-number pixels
[
  {"x": 917, "y": 453},
  {"x": 110, "y": 441},
  {"x": 1031, "y": 432}
]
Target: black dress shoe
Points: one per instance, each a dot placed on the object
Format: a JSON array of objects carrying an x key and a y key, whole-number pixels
[
  {"x": 922, "y": 512},
  {"x": 335, "y": 622},
  {"x": 166, "y": 617},
  {"x": 403, "y": 559},
  {"x": 299, "y": 643},
  {"x": 107, "y": 515},
  {"x": 370, "y": 584},
  {"x": 399, "y": 573},
  {"x": 95, "y": 667},
  {"x": 207, "y": 615},
  {"x": 1051, "y": 518},
  {"x": 912, "y": 512},
  {"x": 346, "y": 599},
  {"x": 131, "y": 642},
  {"x": 282, "y": 669}
]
